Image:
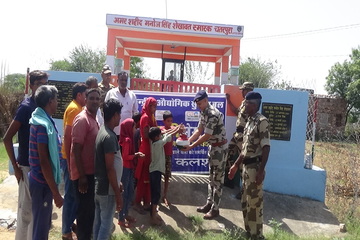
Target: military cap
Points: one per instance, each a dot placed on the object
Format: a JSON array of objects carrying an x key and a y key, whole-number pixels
[
  {"x": 200, "y": 95},
  {"x": 247, "y": 85},
  {"x": 106, "y": 69},
  {"x": 253, "y": 95}
]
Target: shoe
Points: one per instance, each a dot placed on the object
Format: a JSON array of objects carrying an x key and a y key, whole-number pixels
[
  {"x": 238, "y": 196},
  {"x": 204, "y": 209},
  {"x": 212, "y": 214}
]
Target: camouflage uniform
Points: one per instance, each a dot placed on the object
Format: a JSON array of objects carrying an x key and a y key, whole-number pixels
[
  {"x": 103, "y": 91},
  {"x": 256, "y": 136},
  {"x": 212, "y": 121},
  {"x": 236, "y": 141}
]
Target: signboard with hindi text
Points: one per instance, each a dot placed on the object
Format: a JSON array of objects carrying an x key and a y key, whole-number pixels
[
  {"x": 64, "y": 96},
  {"x": 280, "y": 117},
  {"x": 175, "y": 25},
  {"x": 185, "y": 111}
]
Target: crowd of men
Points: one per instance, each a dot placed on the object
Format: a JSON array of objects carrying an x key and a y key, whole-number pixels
[{"x": 89, "y": 156}]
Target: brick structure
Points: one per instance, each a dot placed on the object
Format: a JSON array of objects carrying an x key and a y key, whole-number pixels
[{"x": 331, "y": 113}]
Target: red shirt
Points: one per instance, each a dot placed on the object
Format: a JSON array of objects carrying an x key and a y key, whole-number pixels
[
  {"x": 84, "y": 131},
  {"x": 128, "y": 160},
  {"x": 168, "y": 147}
]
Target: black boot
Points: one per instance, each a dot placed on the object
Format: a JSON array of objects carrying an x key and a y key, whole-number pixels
[{"x": 204, "y": 209}]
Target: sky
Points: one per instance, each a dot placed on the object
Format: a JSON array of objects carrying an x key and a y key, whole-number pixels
[{"x": 304, "y": 37}]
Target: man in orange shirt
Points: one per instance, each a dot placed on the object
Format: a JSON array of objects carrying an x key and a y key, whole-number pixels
[{"x": 70, "y": 206}]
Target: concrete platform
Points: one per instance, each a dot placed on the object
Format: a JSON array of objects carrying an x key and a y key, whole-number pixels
[{"x": 300, "y": 216}]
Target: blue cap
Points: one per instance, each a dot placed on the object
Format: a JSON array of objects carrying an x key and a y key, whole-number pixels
[
  {"x": 200, "y": 95},
  {"x": 253, "y": 95}
]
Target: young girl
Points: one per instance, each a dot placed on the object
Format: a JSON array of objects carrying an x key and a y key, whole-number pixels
[
  {"x": 127, "y": 129},
  {"x": 142, "y": 169}
]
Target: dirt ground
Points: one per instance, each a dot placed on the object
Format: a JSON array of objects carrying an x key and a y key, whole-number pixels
[{"x": 298, "y": 215}]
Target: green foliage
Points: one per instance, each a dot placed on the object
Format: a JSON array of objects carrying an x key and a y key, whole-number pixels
[
  {"x": 344, "y": 81},
  {"x": 15, "y": 82},
  {"x": 262, "y": 73},
  {"x": 197, "y": 222},
  {"x": 353, "y": 227},
  {"x": 85, "y": 59},
  {"x": 81, "y": 59},
  {"x": 61, "y": 65},
  {"x": 137, "y": 67},
  {"x": 276, "y": 226}
]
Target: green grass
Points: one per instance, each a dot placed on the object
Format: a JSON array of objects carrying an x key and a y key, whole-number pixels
[
  {"x": 4, "y": 165},
  {"x": 3, "y": 158}
]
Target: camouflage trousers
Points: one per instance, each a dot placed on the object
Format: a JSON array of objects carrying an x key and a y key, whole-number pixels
[
  {"x": 216, "y": 175},
  {"x": 234, "y": 149},
  {"x": 252, "y": 202}
]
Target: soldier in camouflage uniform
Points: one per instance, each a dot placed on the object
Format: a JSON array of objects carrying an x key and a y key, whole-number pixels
[
  {"x": 254, "y": 155},
  {"x": 105, "y": 85},
  {"x": 211, "y": 129},
  {"x": 235, "y": 144}
]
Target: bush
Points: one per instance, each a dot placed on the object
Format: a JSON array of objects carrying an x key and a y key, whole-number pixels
[{"x": 9, "y": 102}]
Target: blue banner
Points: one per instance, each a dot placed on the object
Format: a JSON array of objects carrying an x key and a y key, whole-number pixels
[{"x": 184, "y": 111}]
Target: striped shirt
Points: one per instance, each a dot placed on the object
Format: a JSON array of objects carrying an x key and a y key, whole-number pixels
[{"x": 38, "y": 134}]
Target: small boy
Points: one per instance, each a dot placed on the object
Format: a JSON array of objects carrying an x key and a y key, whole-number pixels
[
  {"x": 157, "y": 167},
  {"x": 168, "y": 121}
]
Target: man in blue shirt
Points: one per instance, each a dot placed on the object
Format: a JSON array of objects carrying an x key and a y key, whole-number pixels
[{"x": 20, "y": 125}]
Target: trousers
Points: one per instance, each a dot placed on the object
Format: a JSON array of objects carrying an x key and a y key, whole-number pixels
[
  {"x": 252, "y": 201},
  {"x": 24, "y": 219},
  {"x": 216, "y": 175}
]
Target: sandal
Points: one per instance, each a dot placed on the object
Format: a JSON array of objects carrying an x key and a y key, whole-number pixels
[
  {"x": 124, "y": 224},
  {"x": 166, "y": 202},
  {"x": 69, "y": 236}
]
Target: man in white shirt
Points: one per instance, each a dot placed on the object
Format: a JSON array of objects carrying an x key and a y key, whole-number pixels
[{"x": 126, "y": 97}]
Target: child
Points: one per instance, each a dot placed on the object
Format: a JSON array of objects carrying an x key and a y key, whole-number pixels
[
  {"x": 167, "y": 120},
  {"x": 137, "y": 138},
  {"x": 127, "y": 130},
  {"x": 157, "y": 167}
]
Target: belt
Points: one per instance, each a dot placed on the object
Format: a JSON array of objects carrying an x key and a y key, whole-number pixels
[
  {"x": 218, "y": 144},
  {"x": 250, "y": 160}
]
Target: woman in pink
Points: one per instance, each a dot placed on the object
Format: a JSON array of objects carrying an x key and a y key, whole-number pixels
[
  {"x": 127, "y": 130},
  {"x": 142, "y": 169}
]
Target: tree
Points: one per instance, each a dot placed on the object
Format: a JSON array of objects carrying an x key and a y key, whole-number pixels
[
  {"x": 344, "y": 81},
  {"x": 85, "y": 59},
  {"x": 137, "y": 67},
  {"x": 61, "y": 65},
  {"x": 81, "y": 59},
  {"x": 263, "y": 74},
  {"x": 197, "y": 72},
  {"x": 15, "y": 82}
]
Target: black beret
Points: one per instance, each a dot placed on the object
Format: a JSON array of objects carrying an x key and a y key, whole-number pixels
[
  {"x": 200, "y": 95},
  {"x": 253, "y": 95}
]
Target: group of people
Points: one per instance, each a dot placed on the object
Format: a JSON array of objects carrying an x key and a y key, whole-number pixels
[{"x": 110, "y": 151}]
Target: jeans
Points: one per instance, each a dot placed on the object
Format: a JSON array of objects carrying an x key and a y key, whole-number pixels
[
  {"x": 41, "y": 209},
  {"x": 70, "y": 204},
  {"x": 104, "y": 212},
  {"x": 86, "y": 209},
  {"x": 128, "y": 185},
  {"x": 24, "y": 215}
]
